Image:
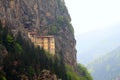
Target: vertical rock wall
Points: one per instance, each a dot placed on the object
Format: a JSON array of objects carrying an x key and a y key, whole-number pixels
[{"x": 42, "y": 15}]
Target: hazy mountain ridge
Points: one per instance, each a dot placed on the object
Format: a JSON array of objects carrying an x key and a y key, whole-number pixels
[
  {"x": 97, "y": 43},
  {"x": 106, "y": 67}
]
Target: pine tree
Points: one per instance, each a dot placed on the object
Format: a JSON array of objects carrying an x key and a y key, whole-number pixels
[{"x": 0, "y": 32}]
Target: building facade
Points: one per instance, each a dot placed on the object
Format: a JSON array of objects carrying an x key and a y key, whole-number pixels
[{"x": 45, "y": 42}]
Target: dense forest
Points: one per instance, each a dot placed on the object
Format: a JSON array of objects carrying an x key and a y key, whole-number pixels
[{"x": 20, "y": 59}]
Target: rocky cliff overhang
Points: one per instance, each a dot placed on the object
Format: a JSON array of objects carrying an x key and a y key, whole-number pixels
[{"x": 46, "y": 16}]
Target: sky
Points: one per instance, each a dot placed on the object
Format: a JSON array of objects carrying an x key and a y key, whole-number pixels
[{"x": 89, "y": 15}]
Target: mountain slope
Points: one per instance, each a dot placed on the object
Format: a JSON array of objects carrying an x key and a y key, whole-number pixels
[
  {"x": 106, "y": 67},
  {"x": 97, "y": 43}
]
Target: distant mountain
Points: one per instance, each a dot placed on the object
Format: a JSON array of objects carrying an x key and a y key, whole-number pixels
[
  {"x": 106, "y": 67},
  {"x": 97, "y": 43}
]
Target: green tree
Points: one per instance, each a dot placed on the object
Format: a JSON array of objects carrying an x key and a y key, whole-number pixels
[
  {"x": 83, "y": 71},
  {"x": 18, "y": 48},
  {"x": 2, "y": 77},
  {"x": 0, "y": 26},
  {"x": 0, "y": 32},
  {"x": 53, "y": 30},
  {"x": 10, "y": 43}
]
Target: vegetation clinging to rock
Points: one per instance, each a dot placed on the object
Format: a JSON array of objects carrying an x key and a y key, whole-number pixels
[{"x": 24, "y": 59}]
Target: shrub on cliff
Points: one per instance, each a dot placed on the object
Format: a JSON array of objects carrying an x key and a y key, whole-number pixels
[{"x": 82, "y": 73}]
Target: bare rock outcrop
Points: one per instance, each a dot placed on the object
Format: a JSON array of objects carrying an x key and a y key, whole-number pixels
[{"x": 48, "y": 17}]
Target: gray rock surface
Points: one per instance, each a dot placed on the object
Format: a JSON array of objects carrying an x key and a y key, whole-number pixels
[{"x": 42, "y": 15}]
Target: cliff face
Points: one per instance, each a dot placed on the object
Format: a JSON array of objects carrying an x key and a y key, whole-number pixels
[{"x": 47, "y": 17}]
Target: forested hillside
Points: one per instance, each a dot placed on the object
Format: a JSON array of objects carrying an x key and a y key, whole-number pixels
[
  {"x": 106, "y": 67},
  {"x": 20, "y": 59},
  {"x": 97, "y": 43}
]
